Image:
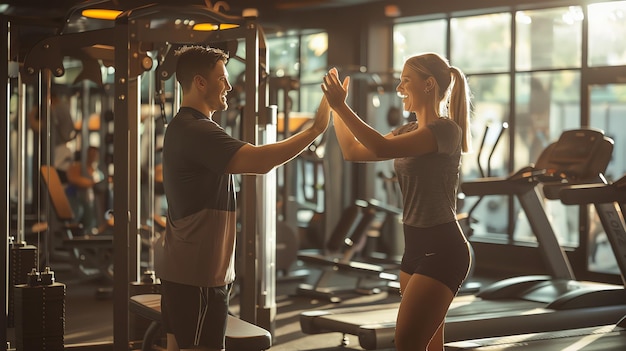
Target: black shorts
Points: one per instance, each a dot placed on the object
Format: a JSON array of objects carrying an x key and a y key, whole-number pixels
[
  {"x": 441, "y": 252},
  {"x": 195, "y": 315}
]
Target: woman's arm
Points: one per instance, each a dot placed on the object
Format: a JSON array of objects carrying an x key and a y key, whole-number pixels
[
  {"x": 418, "y": 142},
  {"x": 351, "y": 148}
]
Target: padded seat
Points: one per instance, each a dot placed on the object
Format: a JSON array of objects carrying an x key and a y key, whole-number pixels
[{"x": 240, "y": 335}]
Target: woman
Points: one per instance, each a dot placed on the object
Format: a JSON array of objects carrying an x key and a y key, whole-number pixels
[{"x": 427, "y": 155}]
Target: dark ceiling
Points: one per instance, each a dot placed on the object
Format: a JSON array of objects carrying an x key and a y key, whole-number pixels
[
  {"x": 50, "y": 12},
  {"x": 38, "y": 19}
]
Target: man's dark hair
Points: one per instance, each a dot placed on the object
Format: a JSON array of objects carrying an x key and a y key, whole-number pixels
[{"x": 196, "y": 60}]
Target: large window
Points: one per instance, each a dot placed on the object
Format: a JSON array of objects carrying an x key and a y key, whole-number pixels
[
  {"x": 546, "y": 104},
  {"x": 489, "y": 155},
  {"x": 607, "y": 28},
  {"x": 432, "y": 38},
  {"x": 481, "y": 44},
  {"x": 549, "y": 38}
]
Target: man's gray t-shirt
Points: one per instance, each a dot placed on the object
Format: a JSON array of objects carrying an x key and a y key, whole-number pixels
[
  {"x": 199, "y": 242},
  {"x": 429, "y": 182}
]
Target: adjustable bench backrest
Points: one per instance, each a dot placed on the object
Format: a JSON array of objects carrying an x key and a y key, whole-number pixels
[{"x": 56, "y": 191}]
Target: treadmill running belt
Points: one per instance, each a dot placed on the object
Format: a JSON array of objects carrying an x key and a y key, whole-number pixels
[{"x": 606, "y": 337}]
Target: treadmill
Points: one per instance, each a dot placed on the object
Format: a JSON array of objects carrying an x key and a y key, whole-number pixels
[
  {"x": 607, "y": 199},
  {"x": 521, "y": 304}
]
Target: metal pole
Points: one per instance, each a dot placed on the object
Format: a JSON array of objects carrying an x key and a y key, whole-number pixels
[
  {"x": 266, "y": 296},
  {"x": 248, "y": 185},
  {"x": 122, "y": 193},
  {"x": 4, "y": 159}
]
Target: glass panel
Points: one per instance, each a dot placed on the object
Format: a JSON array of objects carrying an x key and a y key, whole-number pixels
[
  {"x": 314, "y": 58},
  {"x": 547, "y": 103},
  {"x": 406, "y": 43},
  {"x": 481, "y": 43},
  {"x": 284, "y": 56},
  {"x": 600, "y": 256},
  {"x": 608, "y": 112},
  {"x": 236, "y": 71},
  {"x": 491, "y": 109},
  {"x": 538, "y": 31},
  {"x": 607, "y": 30},
  {"x": 313, "y": 67},
  {"x": 304, "y": 58},
  {"x": 310, "y": 96}
]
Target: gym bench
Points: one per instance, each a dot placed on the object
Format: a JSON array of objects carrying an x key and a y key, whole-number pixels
[{"x": 240, "y": 335}]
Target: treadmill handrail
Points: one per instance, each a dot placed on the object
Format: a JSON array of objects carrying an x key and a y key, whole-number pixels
[
  {"x": 496, "y": 186},
  {"x": 521, "y": 181},
  {"x": 592, "y": 193}
]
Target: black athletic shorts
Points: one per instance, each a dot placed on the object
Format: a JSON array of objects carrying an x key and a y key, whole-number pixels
[
  {"x": 441, "y": 252},
  {"x": 195, "y": 315}
]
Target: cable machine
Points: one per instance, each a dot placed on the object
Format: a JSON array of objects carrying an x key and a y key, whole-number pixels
[{"x": 139, "y": 31}]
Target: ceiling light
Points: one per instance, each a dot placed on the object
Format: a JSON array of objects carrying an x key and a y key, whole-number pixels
[
  {"x": 212, "y": 26},
  {"x": 101, "y": 14}
]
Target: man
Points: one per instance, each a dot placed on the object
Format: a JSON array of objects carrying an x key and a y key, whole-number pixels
[
  {"x": 62, "y": 131},
  {"x": 199, "y": 159}
]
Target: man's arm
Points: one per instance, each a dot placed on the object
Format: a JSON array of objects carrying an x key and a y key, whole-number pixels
[
  {"x": 253, "y": 159},
  {"x": 75, "y": 177}
]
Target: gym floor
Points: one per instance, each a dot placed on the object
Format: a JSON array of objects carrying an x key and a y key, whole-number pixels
[{"x": 89, "y": 319}]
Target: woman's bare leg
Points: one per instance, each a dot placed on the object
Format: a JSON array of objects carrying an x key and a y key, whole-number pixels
[
  {"x": 425, "y": 302},
  {"x": 172, "y": 345}
]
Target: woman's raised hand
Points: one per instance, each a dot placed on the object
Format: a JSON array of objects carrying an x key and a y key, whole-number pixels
[{"x": 335, "y": 91}]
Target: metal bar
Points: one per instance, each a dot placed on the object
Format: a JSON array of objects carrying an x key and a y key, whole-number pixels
[
  {"x": 4, "y": 159},
  {"x": 122, "y": 193},
  {"x": 553, "y": 253},
  {"x": 248, "y": 184},
  {"x": 614, "y": 226}
]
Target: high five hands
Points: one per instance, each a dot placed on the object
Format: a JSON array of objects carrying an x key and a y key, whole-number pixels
[
  {"x": 335, "y": 91},
  {"x": 335, "y": 94}
]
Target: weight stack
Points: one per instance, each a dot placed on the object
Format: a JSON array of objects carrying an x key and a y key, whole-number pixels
[
  {"x": 22, "y": 259},
  {"x": 40, "y": 313}
]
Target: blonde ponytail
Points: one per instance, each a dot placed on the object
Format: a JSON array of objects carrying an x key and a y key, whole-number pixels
[{"x": 459, "y": 107}]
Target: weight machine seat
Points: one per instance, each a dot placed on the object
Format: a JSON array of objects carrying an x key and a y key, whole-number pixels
[
  {"x": 86, "y": 250},
  {"x": 65, "y": 214},
  {"x": 347, "y": 239},
  {"x": 240, "y": 335},
  {"x": 90, "y": 241}
]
